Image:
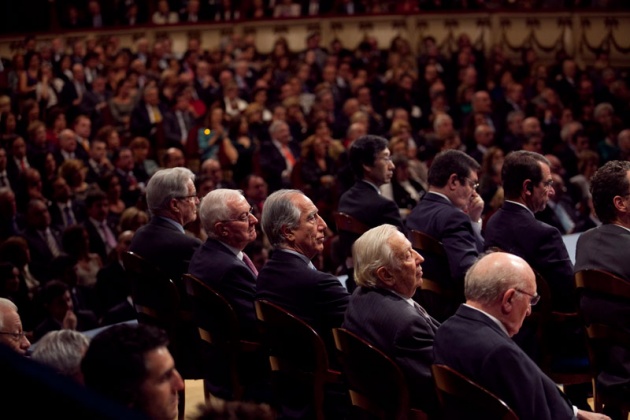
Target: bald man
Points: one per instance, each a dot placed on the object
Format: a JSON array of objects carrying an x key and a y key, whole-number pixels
[{"x": 500, "y": 291}]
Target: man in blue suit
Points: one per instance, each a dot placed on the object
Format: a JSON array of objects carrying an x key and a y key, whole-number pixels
[
  {"x": 500, "y": 291},
  {"x": 451, "y": 213}
]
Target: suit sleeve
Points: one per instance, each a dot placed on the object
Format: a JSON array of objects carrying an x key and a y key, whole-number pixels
[
  {"x": 460, "y": 245},
  {"x": 391, "y": 215},
  {"x": 557, "y": 269},
  {"x": 413, "y": 346},
  {"x": 332, "y": 300},
  {"x": 509, "y": 374}
]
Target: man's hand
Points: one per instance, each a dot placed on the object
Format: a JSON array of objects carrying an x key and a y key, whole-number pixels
[
  {"x": 586, "y": 415},
  {"x": 475, "y": 208},
  {"x": 69, "y": 321}
]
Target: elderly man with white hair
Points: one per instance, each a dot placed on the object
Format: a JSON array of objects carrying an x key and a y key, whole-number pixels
[
  {"x": 381, "y": 311},
  {"x": 11, "y": 334}
]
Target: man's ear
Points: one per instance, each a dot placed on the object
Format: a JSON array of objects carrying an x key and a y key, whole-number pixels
[
  {"x": 620, "y": 204},
  {"x": 453, "y": 180},
  {"x": 385, "y": 276},
  {"x": 172, "y": 205},
  {"x": 528, "y": 186},
  {"x": 287, "y": 233},
  {"x": 507, "y": 301}
]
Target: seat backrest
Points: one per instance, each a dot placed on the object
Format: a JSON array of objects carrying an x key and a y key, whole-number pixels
[
  {"x": 348, "y": 223},
  {"x": 377, "y": 385},
  {"x": 155, "y": 296},
  {"x": 214, "y": 316},
  {"x": 604, "y": 337},
  {"x": 458, "y": 393},
  {"x": 297, "y": 356}
]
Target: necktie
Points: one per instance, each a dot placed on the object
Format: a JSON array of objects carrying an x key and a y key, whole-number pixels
[
  {"x": 250, "y": 264},
  {"x": 157, "y": 117},
  {"x": 110, "y": 242},
  {"x": 422, "y": 311},
  {"x": 3, "y": 180},
  {"x": 52, "y": 243},
  {"x": 67, "y": 211},
  {"x": 288, "y": 155},
  {"x": 22, "y": 165}
]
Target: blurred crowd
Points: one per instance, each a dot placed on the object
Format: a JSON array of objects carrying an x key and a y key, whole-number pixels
[{"x": 84, "y": 125}]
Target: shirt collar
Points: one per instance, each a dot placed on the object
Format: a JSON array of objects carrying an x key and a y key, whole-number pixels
[
  {"x": 520, "y": 204},
  {"x": 172, "y": 222},
  {"x": 494, "y": 319}
]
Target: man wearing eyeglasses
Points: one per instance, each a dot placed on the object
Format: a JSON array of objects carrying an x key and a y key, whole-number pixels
[
  {"x": 221, "y": 263},
  {"x": 528, "y": 185},
  {"x": 500, "y": 291},
  {"x": 172, "y": 201},
  {"x": 451, "y": 213},
  {"x": 11, "y": 333}
]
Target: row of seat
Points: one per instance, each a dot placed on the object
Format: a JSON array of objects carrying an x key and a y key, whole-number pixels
[{"x": 376, "y": 384}]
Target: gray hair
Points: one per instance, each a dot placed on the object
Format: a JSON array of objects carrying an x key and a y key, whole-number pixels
[
  {"x": 372, "y": 251},
  {"x": 165, "y": 185},
  {"x": 5, "y": 306},
  {"x": 275, "y": 126},
  {"x": 439, "y": 120},
  {"x": 487, "y": 281},
  {"x": 62, "y": 350},
  {"x": 569, "y": 128},
  {"x": 600, "y": 108},
  {"x": 280, "y": 210},
  {"x": 215, "y": 208}
]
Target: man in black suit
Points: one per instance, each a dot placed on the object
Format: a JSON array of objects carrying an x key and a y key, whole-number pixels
[
  {"x": 221, "y": 263},
  {"x": 43, "y": 241},
  {"x": 382, "y": 312},
  {"x": 604, "y": 248},
  {"x": 113, "y": 286},
  {"x": 451, "y": 213},
  {"x": 69, "y": 148},
  {"x": 372, "y": 165},
  {"x": 101, "y": 234},
  {"x": 278, "y": 156},
  {"x": 147, "y": 115},
  {"x": 528, "y": 184},
  {"x": 172, "y": 201},
  {"x": 64, "y": 210},
  {"x": 297, "y": 232},
  {"x": 500, "y": 291}
]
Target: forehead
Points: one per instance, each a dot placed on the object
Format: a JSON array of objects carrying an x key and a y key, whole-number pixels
[{"x": 303, "y": 203}]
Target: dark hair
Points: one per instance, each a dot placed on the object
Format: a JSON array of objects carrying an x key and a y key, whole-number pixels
[
  {"x": 363, "y": 152},
  {"x": 518, "y": 167},
  {"x": 52, "y": 290},
  {"x": 609, "y": 181},
  {"x": 94, "y": 195},
  {"x": 114, "y": 363},
  {"x": 450, "y": 162}
]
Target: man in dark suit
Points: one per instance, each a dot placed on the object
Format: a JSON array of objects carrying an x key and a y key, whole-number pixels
[
  {"x": 278, "y": 156},
  {"x": 64, "y": 210},
  {"x": 297, "y": 232},
  {"x": 178, "y": 122},
  {"x": 382, "y": 312},
  {"x": 147, "y": 115},
  {"x": 101, "y": 234},
  {"x": 221, "y": 263},
  {"x": 372, "y": 165},
  {"x": 43, "y": 241},
  {"x": 605, "y": 248},
  {"x": 500, "y": 291},
  {"x": 527, "y": 184},
  {"x": 172, "y": 201},
  {"x": 451, "y": 213}
]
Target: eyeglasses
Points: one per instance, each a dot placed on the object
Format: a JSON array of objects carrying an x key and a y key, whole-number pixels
[
  {"x": 15, "y": 336},
  {"x": 548, "y": 184},
  {"x": 243, "y": 217},
  {"x": 472, "y": 183},
  {"x": 534, "y": 299}
]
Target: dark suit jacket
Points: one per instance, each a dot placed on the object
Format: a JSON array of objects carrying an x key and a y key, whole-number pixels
[
  {"x": 472, "y": 344},
  {"x": 172, "y": 130},
  {"x": 41, "y": 257},
  {"x": 140, "y": 122},
  {"x": 96, "y": 243},
  {"x": 437, "y": 217},
  {"x": 514, "y": 229},
  {"x": 163, "y": 245},
  {"x": 112, "y": 286},
  {"x": 605, "y": 248},
  {"x": 57, "y": 218},
  {"x": 218, "y": 267},
  {"x": 272, "y": 164},
  {"x": 364, "y": 203},
  {"x": 396, "y": 328},
  {"x": 315, "y": 297}
]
